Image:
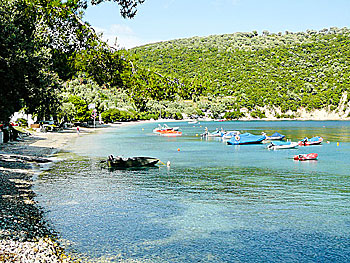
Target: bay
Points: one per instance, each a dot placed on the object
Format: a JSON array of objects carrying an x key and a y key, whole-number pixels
[{"x": 216, "y": 203}]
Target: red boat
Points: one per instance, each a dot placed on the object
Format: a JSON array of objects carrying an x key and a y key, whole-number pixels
[
  {"x": 313, "y": 141},
  {"x": 305, "y": 157},
  {"x": 170, "y": 133},
  {"x": 165, "y": 130}
]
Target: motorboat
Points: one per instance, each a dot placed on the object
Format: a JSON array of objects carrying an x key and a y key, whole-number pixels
[
  {"x": 217, "y": 133},
  {"x": 131, "y": 162},
  {"x": 313, "y": 141},
  {"x": 164, "y": 128},
  {"x": 306, "y": 157},
  {"x": 228, "y": 135},
  {"x": 282, "y": 145},
  {"x": 170, "y": 133},
  {"x": 246, "y": 138},
  {"x": 193, "y": 122},
  {"x": 275, "y": 137}
]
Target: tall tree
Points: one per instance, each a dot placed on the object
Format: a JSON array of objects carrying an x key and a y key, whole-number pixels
[{"x": 38, "y": 42}]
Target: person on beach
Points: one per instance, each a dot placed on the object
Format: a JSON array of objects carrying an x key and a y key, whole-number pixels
[{"x": 78, "y": 130}]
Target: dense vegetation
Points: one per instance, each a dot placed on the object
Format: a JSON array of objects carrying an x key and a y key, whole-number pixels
[
  {"x": 54, "y": 65},
  {"x": 287, "y": 71}
]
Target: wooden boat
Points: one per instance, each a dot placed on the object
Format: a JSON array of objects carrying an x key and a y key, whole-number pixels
[
  {"x": 282, "y": 145},
  {"x": 131, "y": 162},
  {"x": 305, "y": 157},
  {"x": 246, "y": 138},
  {"x": 313, "y": 141}
]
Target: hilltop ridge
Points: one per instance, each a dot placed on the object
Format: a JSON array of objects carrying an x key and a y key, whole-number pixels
[{"x": 281, "y": 73}]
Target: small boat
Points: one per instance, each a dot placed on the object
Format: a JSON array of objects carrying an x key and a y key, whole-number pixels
[
  {"x": 230, "y": 134},
  {"x": 313, "y": 141},
  {"x": 193, "y": 122},
  {"x": 282, "y": 145},
  {"x": 217, "y": 133},
  {"x": 170, "y": 133},
  {"x": 164, "y": 128},
  {"x": 131, "y": 162},
  {"x": 306, "y": 157},
  {"x": 276, "y": 136},
  {"x": 246, "y": 138}
]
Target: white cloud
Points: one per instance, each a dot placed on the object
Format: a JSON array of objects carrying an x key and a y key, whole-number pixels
[{"x": 126, "y": 37}]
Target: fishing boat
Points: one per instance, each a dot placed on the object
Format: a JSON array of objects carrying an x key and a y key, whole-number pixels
[
  {"x": 131, "y": 162},
  {"x": 246, "y": 138},
  {"x": 282, "y": 145},
  {"x": 275, "y": 137},
  {"x": 306, "y": 157},
  {"x": 313, "y": 141},
  {"x": 228, "y": 135}
]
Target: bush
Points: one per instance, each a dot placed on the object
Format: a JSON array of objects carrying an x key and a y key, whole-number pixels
[
  {"x": 258, "y": 114},
  {"x": 110, "y": 115}
]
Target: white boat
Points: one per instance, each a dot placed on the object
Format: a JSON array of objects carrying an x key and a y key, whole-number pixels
[
  {"x": 193, "y": 122},
  {"x": 217, "y": 133},
  {"x": 164, "y": 128},
  {"x": 228, "y": 135},
  {"x": 282, "y": 145}
]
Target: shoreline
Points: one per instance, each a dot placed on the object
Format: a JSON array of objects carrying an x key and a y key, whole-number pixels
[{"x": 25, "y": 236}]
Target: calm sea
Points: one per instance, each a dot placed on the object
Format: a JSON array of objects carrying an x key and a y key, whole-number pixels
[{"x": 216, "y": 203}]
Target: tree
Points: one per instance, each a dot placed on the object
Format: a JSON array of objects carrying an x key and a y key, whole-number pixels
[
  {"x": 128, "y": 7},
  {"x": 38, "y": 44}
]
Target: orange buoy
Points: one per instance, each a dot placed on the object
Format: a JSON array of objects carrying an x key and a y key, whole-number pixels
[{"x": 178, "y": 149}]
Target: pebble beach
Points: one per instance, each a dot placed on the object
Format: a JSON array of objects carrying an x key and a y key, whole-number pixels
[{"x": 24, "y": 234}]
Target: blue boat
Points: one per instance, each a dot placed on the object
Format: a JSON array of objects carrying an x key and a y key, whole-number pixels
[
  {"x": 275, "y": 136},
  {"x": 246, "y": 138}
]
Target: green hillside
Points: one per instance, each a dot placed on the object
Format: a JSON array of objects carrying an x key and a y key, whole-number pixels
[{"x": 289, "y": 71}]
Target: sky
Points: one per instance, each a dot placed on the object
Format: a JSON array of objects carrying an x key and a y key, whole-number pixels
[{"x": 161, "y": 20}]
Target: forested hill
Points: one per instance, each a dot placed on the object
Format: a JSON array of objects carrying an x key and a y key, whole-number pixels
[{"x": 286, "y": 70}]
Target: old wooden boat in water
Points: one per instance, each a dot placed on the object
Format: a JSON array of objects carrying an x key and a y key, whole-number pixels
[{"x": 131, "y": 162}]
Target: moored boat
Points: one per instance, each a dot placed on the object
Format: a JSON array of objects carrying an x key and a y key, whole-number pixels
[
  {"x": 313, "y": 141},
  {"x": 306, "y": 157},
  {"x": 282, "y": 145},
  {"x": 131, "y": 162},
  {"x": 164, "y": 128},
  {"x": 276, "y": 136},
  {"x": 193, "y": 122},
  {"x": 246, "y": 138},
  {"x": 170, "y": 133},
  {"x": 217, "y": 133},
  {"x": 228, "y": 135}
]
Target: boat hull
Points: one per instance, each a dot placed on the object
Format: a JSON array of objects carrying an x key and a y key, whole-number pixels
[
  {"x": 133, "y": 162},
  {"x": 312, "y": 141},
  {"x": 306, "y": 157},
  {"x": 290, "y": 145},
  {"x": 246, "y": 138}
]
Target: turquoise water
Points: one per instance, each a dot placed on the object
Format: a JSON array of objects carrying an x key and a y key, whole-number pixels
[{"x": 216, "y": 203}]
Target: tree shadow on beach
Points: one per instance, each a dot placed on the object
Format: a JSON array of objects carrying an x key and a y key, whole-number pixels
[{"x": 20, "y": 217}]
